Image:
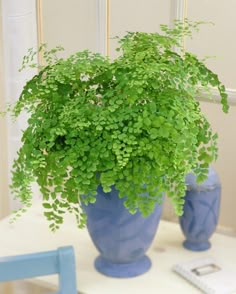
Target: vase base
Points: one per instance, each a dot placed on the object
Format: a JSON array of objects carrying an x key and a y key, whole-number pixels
[
  {"x": 122, "y": 270},
  {"x": 196, "y": 246}
]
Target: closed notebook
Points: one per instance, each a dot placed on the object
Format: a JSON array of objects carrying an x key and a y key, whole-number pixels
[{"x": 208, "y": 275}]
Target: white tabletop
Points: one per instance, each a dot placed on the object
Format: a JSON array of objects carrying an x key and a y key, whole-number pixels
[{"x": 30, "y": 233}]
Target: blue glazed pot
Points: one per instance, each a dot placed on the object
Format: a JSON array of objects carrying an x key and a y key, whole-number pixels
[
  {"x": 201, "y": 211},
  {"x": 121, "y": 238}
]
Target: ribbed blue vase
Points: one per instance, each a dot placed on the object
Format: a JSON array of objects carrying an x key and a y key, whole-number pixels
[
  {"x": 121, "y": 238},
  {"x": 201, "y": 211}
]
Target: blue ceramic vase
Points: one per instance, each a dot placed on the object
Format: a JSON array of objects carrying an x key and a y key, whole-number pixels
[
  {"x": 121, "y": 238},
  {"x": 201, "y": 211}
]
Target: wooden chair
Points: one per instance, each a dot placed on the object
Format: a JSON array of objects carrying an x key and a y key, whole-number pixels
[{"x": 60, "y": 261}]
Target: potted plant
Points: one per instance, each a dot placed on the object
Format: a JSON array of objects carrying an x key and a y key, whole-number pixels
[{"x": 131, "y": 125}]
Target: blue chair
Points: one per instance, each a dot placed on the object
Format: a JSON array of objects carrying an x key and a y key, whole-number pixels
[{"x": 60, "y": 261}]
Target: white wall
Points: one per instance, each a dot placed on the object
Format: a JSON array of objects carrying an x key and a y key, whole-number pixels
[
  {"x": 18, "y": 33},
  {"x": 71, "y": 24},
  {"x": 75, "y": 26},
  {"x": 216, "y": 40},
  {"x": 146, "y": 15},
  {"x": 219, "y": 40},
  {"x": 4, "y": 192},
  {"x": 137, "y": 15},
  {"x": 225, "y": 125}
]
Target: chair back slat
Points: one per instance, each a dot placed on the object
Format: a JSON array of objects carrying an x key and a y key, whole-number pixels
[
  {"x": 28, "y": 266},
  {"x": 67, "y": 271},
  {"x": 60, "y": 261}
]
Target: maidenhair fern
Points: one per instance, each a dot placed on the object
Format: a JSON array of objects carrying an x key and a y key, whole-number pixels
[{"x": 133, "y": 122}]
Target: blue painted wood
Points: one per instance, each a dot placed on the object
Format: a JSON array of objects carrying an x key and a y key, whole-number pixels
[
  {"x": 67, "y": 276},
  {"x": 60, "y": 261}
]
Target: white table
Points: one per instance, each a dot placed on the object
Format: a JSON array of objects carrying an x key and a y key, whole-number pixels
[{"x": 30, "y": 233}]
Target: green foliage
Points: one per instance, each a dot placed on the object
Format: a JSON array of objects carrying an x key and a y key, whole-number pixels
[{"x": 133, "y": 122}]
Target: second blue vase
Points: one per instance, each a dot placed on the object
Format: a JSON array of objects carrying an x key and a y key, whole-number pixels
[{"x": 201, "y": 211}]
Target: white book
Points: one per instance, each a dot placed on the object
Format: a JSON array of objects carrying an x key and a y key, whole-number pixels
[{"x": 208, "y": 275}]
